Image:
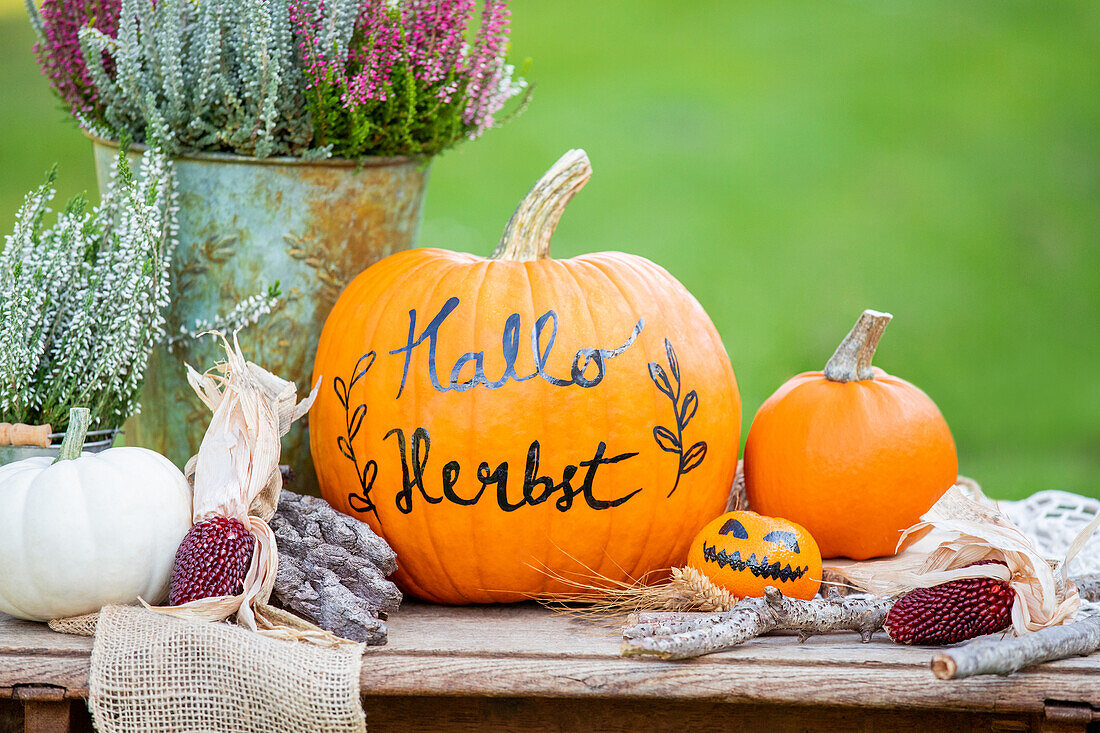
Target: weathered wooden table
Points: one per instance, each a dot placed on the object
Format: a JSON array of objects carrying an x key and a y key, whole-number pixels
[{"x": 521, "y": 668}]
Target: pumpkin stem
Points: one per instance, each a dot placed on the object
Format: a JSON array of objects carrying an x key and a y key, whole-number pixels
[
  {"x": 80, "y": 419},
  {"x": 852, "y": 360},
  {"x": 527, "y": 234}
]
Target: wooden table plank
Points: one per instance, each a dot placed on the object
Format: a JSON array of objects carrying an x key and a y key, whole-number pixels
[
  {"x": 523, "y": 651},
  {"x": 31, "y": 654},
  {"x": 528, "y": 629},
  {"x": 533, "y": 715},
  {"x": 779, "y": 684}
]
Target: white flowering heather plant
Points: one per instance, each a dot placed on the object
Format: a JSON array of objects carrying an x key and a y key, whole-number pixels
[
  {"x": 246, "y": 313},
  {"x": 81, "y": 302},
  {"x": 303, "y": 78},
  {"x": 218, "y": 76}
]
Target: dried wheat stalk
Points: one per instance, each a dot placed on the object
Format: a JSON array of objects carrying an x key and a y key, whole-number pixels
[{"x": 685, "y": 590}]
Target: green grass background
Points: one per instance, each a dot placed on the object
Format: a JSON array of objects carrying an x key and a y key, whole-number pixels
[{"x": 793, "y": 163}]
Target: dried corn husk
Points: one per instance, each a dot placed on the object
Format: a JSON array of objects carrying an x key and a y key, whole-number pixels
[
  {"x": 236, "y": 474},
  {"x": 973, "y": 529}
]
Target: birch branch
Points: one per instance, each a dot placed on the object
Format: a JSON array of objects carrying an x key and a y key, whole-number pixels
[
  {"x": 1003, "y": 657},
  {"x": 680, "y": 636},
  {"x": 667, "y": 623},
  {"x": 991, "y": 656}
]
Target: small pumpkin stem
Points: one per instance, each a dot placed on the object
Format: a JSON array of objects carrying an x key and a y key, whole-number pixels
[
  {"x": 527, "y": 234},
  {"x": 852, "y": 360},
  {"x": 80, "y": 419}
]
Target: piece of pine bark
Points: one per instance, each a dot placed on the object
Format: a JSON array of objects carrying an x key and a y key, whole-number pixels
[
  {"x": 994, "y": 656},
  {"x": 332, "y": 569},
  {"x": 680, "y": 636}
]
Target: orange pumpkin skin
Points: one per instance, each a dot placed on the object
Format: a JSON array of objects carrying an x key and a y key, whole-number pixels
[
  {"x": 854, "y": 462},
  {"x": 745, "y": 552},
  {"x": 588, "y": 488}
]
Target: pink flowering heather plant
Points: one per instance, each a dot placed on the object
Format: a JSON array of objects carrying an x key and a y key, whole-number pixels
[
  {"x": 58, "y": 25},
  {"x": 408, "y": 78},
  {"x": 305, "y": 78}
]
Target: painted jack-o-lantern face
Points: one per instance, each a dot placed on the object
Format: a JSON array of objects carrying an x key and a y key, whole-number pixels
[{"x": 744, "y": 552}]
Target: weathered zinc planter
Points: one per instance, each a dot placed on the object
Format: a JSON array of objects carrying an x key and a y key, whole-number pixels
[{"x": 245, "y": 224}]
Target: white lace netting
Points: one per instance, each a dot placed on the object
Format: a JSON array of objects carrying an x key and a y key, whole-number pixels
[{"x": 1052, "y": 519}]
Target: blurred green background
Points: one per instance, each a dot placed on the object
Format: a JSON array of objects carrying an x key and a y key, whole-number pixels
[{"x": 792, "y": 164}]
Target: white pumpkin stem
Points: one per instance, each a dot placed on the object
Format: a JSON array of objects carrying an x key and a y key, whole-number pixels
[
  {"x": 80, "y": 419},
  {"x": 852, "y": 360},
  {"x": 527, "y": 234}
]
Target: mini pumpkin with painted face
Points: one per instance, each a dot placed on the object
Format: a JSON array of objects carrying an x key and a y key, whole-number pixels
[{"x": 744, "y": 552}]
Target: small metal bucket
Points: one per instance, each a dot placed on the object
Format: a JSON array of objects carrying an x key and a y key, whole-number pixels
[
  {"x": 96, "y": 441},
  {"x": 245, "y": 223}
]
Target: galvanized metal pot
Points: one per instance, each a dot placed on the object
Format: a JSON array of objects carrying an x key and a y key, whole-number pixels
[{"x": 245, "y": 224}]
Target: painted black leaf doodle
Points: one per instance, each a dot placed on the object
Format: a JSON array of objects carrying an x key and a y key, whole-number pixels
[
  {"x": 353, "y": 421},
  {"x": 673, "y": 441},
  {"x": 657, "y": 374},
  {"x": 693, "y": 457},
  {"x": 361, "y": 368},
  {"x": 345, "y": 447},
  {"x": 687, "y": 410},
  {"x": 363, "y": 503},
  {"x": 666, "y": 439},
  {"x": 672, "y": 363},
  {"x": 356, "y": 421},
  {"x": 341, "y": 391}
]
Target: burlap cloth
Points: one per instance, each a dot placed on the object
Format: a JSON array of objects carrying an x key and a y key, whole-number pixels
[{"x": 152, "y": 672}]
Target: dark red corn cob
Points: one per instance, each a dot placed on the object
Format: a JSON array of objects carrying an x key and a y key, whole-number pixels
[
  {"x": 951, "y": 612},
  {"x": 211, "y": 561}
]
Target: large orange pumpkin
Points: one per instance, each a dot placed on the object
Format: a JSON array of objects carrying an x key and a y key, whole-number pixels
[
  {"x": 851, "y": 453},
  {"x": 507, "y": 420}
]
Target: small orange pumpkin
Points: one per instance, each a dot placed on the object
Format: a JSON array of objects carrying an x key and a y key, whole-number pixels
[
  {"x": 744, "y": 552},
  {"x": 851, "y": 453},
  {"x": 503, "y": 422}
]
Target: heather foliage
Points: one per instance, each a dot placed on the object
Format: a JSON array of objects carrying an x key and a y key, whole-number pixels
[
  {"x": 306, "y": 78},
  {"x": 391, "y": 79},
  {"x": 58, "y": 24},
  {"x": 244, "y": 314},
  {"x": 214, "y": 76},
  {"x": 81, "y": 302}
]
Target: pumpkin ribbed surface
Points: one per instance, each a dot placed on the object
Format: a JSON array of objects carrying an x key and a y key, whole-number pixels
[
  {"x": 78, "y": 534},
  {"x": 499, "y": 422},
  {"x": 855, "y": 463},
  {"x": 851, "y": 453}
]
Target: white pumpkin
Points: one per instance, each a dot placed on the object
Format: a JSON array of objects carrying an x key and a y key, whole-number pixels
[{"x": 89, "y": 530}]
